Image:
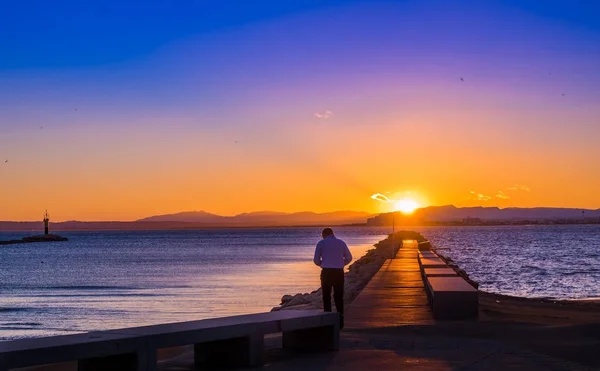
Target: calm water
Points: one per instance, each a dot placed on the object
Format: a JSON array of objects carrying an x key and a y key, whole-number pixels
[
  {"x": 560, "y": 262},
  {"x": 103, "y": 280}
]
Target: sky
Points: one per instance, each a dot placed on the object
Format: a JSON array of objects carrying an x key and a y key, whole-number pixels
[{"x": 114, "y": 111}]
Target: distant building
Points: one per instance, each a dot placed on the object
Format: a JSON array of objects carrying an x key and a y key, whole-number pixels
[{"x": 472, "y": 221}]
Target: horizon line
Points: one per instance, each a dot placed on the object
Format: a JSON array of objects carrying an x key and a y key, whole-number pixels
[{"x": 285, "y": 213}]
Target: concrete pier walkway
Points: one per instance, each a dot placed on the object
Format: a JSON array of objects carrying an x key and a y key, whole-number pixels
[{"x": 395, "y": 296}]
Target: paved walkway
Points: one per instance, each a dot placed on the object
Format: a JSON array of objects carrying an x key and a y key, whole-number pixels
[{"x": 395, "y": 296}]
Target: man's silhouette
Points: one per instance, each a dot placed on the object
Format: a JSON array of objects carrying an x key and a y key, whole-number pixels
[{"x": 332, "y": 254}]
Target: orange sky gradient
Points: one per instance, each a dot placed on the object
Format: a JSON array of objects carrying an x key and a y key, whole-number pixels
[{"x": 173, "y": 131}]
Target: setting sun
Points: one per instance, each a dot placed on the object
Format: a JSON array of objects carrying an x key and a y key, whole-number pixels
[{"x": 406, "y": 206}]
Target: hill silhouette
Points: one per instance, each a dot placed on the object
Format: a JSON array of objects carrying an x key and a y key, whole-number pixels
[
  {"x": 203, "y": 219},
  {"x": 450, "y": 213},
  {"x": 264, "y": 218}
]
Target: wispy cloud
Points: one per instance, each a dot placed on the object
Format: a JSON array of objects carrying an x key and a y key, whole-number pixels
[
  {"x": 380, "y": 197},
  {"x": 519, "y": 187},
  {"x": 502, "y": 195},
  {"x": 325, "y": 115},
  {"x": 478, "y": 196}
]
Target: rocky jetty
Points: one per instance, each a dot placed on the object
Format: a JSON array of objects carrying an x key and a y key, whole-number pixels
[
  {"x": 39, "y": 238},
  {"x": 359, "y": 274}
]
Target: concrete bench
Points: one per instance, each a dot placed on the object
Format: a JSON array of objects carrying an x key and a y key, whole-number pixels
[
  {"x": 427, "y": 254},
  {"x": 228, "y": 341},
  {"x": 431, "y": 263},
  {"x": 125, "y": 350},
  {"x": 424, "y": 245},
  {"x": 439, "y": 272},
  {"x": 452, "y": 298}
]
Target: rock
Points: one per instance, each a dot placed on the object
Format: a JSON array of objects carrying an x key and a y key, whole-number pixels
[
  {"x": 286, "y": 298},
  {"x": 298, "y": 299}
]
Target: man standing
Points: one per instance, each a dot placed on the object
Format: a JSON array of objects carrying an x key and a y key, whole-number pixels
[{"x": 332, "y": 254}]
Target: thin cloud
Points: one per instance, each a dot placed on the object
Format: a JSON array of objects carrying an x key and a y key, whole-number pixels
[
  {"x": 519, "y": 187},
  {"x": 380, "y": 197},
  {"x": 502, "y": 195},
  {"x": 327, "y": 114},
  {"x": 478, "y": 196}
]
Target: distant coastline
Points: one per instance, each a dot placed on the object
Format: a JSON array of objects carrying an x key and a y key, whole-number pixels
[
  {"x": 166, "y": 226},
  {"x": 434, "y": 216},
  {"x": 488, "y": 223},
  {"x": 450, "y": 215}
]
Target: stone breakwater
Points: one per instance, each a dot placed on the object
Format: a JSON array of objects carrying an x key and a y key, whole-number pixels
[
  {"x": 40, "y": 238},
  {"x": 358, "y": 276}
]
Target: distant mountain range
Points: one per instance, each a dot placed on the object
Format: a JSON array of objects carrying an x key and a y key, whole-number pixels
[
  {"x": 451, "y": 213},
  {"x": 264, "y": 218},
  {"x": 202, "y": 219}
]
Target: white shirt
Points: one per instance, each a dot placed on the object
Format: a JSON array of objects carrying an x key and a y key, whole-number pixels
[{"x": 332, "y": 252}]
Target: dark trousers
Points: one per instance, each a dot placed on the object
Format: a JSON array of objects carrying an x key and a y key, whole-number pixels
[{"x": 333, "y": 277}]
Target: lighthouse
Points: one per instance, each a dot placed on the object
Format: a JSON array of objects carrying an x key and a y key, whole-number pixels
[{"x": 46, "y": 220}]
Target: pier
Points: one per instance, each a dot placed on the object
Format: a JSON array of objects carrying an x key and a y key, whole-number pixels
[{"x": 394, "y": 297}]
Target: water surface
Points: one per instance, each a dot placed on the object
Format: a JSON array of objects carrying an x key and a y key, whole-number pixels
[{"x": 105, "y": 280}]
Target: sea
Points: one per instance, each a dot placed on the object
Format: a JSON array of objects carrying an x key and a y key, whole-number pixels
[{"x": 106, "y": 280}]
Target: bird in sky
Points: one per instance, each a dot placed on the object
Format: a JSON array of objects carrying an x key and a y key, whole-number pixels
[
  {"x": 563, "y": 94},
  {"x": 5, "y": 161},
  {"x": 461, "y": 79}
]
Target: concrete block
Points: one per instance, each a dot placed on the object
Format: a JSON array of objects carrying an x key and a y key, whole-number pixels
[
  {"x": 432, "y": 263},
  {"x": 33, "y": 352},
  {"x": 424, "y": 246},
  {"x": 314, "y": 319},
  {"x": 316, "y": 338},
  {"x": 236, "y": 352},
  {"x": 119, "y": 362},
  {"x": 452, "y": 298},
  {"x": 439, "y": 272},
  {"x": 427, "y": 254}
]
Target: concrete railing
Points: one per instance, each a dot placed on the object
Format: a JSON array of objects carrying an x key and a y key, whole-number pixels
[{"x": 228, "y": 341}]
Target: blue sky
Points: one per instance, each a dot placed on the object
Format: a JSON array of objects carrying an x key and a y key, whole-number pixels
[{"x": 53, "y": 34}]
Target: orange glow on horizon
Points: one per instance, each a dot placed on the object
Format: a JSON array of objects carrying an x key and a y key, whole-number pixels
[{"x": 406, "y": 206}]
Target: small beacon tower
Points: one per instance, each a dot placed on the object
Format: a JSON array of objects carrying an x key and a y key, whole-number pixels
[{"x": 46, "y": 220}]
